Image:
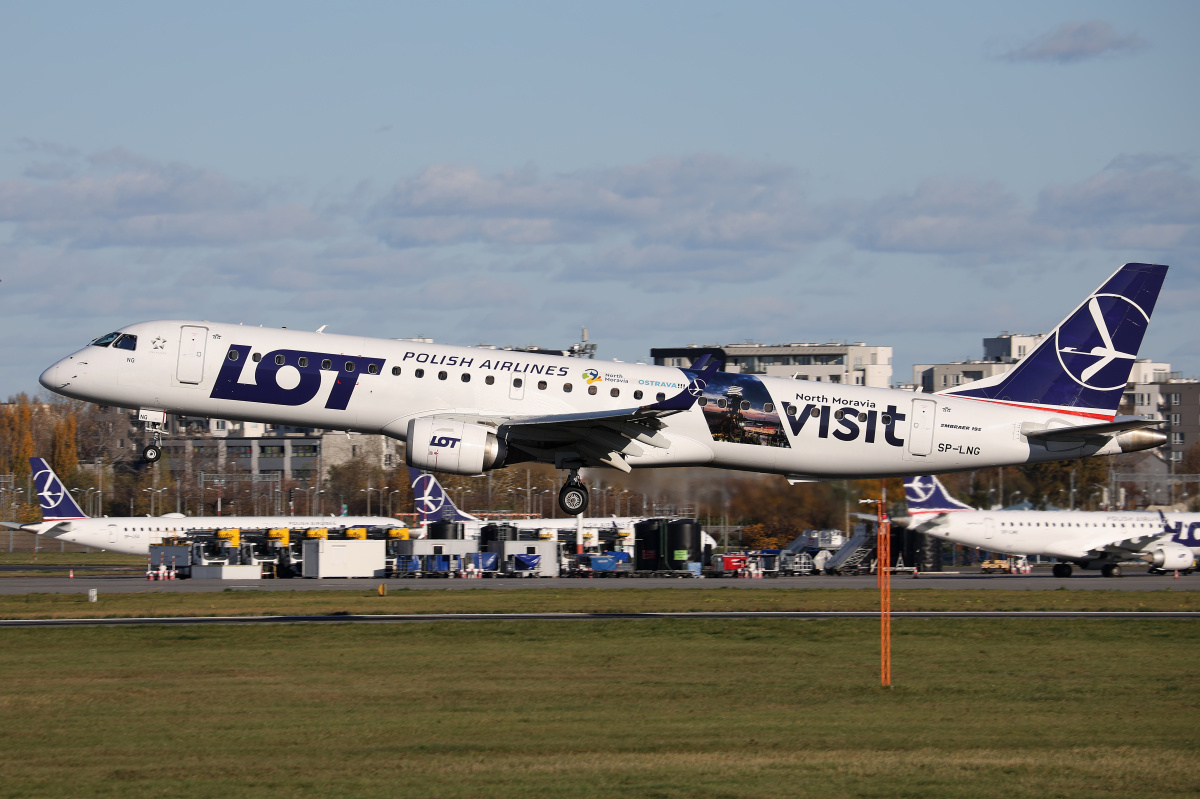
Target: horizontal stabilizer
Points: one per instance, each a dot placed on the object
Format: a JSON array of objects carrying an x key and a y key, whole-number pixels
[{"x": 1119, "y": 425}]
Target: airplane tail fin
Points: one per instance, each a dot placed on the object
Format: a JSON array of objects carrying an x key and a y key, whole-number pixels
[
  {"x": 432, "y": 502},
  {"x": 57, "y": 503},
  {"x": 926, "y": 495},
  {"x": 1082, "y": 366}
]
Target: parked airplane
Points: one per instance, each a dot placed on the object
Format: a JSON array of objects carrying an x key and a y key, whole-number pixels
[
  {"x": 465, "y": 410},
  {"x": 434, "y": 504},
  {"x": 132, "y": 535},
  {"x": 1092, "y": 539}
]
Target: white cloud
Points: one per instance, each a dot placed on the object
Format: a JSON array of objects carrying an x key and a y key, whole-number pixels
[
  {"x": 948, "y": 217},
  {"x": 1072, "y": 42},
  {"x": 118, "y": 199}
]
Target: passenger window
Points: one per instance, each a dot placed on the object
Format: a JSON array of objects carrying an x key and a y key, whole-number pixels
[
  {"x": 419, "y": 373},
  {"x": 349, "y": 366},
  {"x": 373, "y": 369},
  {"x": 490, "y": 379},
  {"x": 396, "y": 371},
  {"x": 592, "y": 390},
  {"x": 466, "y": 377},
  {"x": 327, "y": 364},
  {"x": 660, "y": 396},
  {"x": 104, "y": 341},
  {"x": 302, "y": 362},
  {"x": 233, "y": 355},
  {"x": 256, "y": 357},
  {"x": 886, "y": 419},
  {"x": 442, "y": 375},
  {"x": 518, "y": 382},
  {"x": 616, "y": 392},
  {"x": 126, "y": 342},
  {"x": 637, "y": 395},
  {"x": 745, "y": 405},
  {"x": 768, "y": 407},
  {"x": 279, "y": 360},
  {"x": 702, "y": 401},
  {"x": 721, "y": 403},
  {"x": 541, "y": 385},
  {"x": 567, "y": 387}
]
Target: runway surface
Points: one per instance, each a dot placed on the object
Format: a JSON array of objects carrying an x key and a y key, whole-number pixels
[
  {"x": 412, "y": 618},
  {"x": 1038, "y": 581}
]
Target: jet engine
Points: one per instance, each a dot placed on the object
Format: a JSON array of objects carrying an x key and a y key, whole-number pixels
[
  {"x": 446, "y": 445},
  {"x": 1137, "y": 440},
  {"x": 1169, "y": 556}
]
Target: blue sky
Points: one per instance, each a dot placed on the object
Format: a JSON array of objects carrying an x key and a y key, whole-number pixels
[{"x": 917, "y": 175}]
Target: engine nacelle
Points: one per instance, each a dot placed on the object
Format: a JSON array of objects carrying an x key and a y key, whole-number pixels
[
  {"x": 1138, "y": 440},
  {"x": 1170, "y": 556},
  {"x": 446, "y": 445}
]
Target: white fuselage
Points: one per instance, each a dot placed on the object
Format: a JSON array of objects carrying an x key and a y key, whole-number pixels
[
  {"x": 1068, "y": 535},
  {"x": 133, "y": 535},
  {"x": 378, "y": 385}
]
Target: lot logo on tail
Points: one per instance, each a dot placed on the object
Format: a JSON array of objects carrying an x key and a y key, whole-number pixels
[
  {"x": 57, "y": 503},
  {"x": 926, "y": 494},
  {"x": 1093, "y": 349},
  {"x": 428, "y": 495}
]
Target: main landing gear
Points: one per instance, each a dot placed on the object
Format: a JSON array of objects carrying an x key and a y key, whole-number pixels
[
  {"x": 573, "y": 497},
  {"x": 153, "y": 451},
  {"x": 1062, "y": 569}
]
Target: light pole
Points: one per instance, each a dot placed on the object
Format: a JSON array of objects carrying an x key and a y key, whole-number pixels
[
  {"x": 624, "y": 491},
  {"x": 368, "y": 491},
  {"x": 154, "y": 491},
  {"x": 390, "y": 495}
]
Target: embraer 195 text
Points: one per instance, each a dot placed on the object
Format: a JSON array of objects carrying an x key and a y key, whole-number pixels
[{"x": 465, "y": 410}]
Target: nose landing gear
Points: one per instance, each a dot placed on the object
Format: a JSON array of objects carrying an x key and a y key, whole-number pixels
[{"x": 573, "y": 497}]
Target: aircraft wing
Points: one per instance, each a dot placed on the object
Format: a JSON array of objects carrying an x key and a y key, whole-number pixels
[
  {"x": 1118, "y": 425},
  {"x": 602, "y": 437},
  {"x": 1132, "y": 545}
]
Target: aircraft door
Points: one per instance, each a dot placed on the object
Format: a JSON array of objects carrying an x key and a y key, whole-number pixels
[
  {"x": 516, "y": 389},
  {"x": 920, "y": 432},
  {"x": 191, "y": 353},
  {"x": 112, "y": 534},
  {"x": 989, "y": 528}
]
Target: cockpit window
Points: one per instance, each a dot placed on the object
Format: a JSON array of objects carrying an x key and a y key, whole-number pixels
[
  {"x": 126, "y": 342},
  {"x": 104, "y": 341}
]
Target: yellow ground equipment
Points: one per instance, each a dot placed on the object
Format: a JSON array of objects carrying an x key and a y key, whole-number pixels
[
  {"x": 317, "y": 532},
  {"x": 359, "y": 533},
  {"x": 999, "y": 566},
  {"x": 233, "y": 536},
  {"x": 282, "y": 535}
]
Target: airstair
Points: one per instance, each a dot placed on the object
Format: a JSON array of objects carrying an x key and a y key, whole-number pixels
[{"x": 849, "y": 558}]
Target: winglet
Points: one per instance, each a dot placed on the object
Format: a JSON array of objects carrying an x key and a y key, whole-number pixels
[
  {"x": 431, "y": 501},
  {"x": 927, "y": 495},
  {"x": 57, "y": 503},
  {"x": 700, "y": 373}
]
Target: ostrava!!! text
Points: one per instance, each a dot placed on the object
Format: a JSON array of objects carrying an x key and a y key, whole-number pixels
[{"x": 849, "y": 427}]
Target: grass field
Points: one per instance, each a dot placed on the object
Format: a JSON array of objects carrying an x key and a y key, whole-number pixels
[
  {"x": 655, "y": 708},
  {"x": 571, "y": 599}
]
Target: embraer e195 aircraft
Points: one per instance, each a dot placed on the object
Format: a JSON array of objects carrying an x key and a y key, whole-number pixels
[
  {"x": 465, "y": 410},
  {"x": 1091, "y": 539},
  {"x": 63, "y": 520}
]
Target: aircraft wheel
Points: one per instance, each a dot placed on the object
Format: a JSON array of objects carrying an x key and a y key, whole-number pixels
[
  {"x": 573, "y": 498},
  {"x": 1111, "y": 570},
  {"x": 152, "y": 452},
  {"x": 1062, "y": 569}
]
